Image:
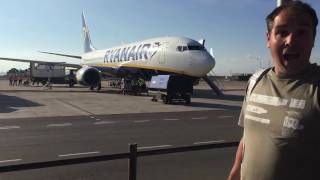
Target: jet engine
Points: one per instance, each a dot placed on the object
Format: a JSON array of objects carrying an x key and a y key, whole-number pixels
[{"x": 88, "y": 76}]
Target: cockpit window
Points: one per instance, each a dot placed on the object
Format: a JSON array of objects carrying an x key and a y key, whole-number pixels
[
  {"x": 184, "y": 48},
  {"x": 190, "y": 48}
]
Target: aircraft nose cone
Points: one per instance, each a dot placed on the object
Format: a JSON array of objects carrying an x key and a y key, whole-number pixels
[
  {"x": 205, "y": 64},
  {"x": 212, "y": 62},
  {"x": 202, "y": 64}
]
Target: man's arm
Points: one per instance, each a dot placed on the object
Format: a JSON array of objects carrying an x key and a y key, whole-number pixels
[{"x": 235, "y": 171}]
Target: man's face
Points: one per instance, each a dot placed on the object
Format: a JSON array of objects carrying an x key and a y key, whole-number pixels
[{"x": 290, "y": 41}]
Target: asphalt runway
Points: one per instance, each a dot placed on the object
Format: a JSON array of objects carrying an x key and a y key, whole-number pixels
[{"x": 39, "y": 124}]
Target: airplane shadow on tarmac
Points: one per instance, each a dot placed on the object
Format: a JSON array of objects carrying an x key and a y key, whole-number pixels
[
  {"x": 215, "y": 106},
  {"x": 209, "y": 94},
  {"x": 9, "y": 103},
  {"x": 197, "y": 93},
  {"x": 207, "y": 105}
]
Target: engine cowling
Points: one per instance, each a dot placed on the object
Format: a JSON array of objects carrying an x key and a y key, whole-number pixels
[{"x": 88, "y": 76}]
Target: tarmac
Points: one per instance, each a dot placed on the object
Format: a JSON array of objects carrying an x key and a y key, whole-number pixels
[{"x": 61, "y": 100}]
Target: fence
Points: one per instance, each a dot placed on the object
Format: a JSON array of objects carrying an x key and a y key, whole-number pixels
[{"x": 132, "y": 156}]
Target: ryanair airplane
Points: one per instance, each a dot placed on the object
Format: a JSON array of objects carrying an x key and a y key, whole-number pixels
[{"x": 143, "y": 59}]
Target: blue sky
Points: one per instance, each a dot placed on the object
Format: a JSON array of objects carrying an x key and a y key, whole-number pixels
[{"x": 235, "y": 29}]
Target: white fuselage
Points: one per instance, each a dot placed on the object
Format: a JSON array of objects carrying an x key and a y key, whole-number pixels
[{"x": 176, "y": 55}]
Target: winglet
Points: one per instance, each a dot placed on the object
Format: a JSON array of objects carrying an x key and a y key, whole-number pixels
[{"x": 88, "y": 47}]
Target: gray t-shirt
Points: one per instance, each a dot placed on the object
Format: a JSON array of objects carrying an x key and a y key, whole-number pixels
[{"x": 281, "y": 120}]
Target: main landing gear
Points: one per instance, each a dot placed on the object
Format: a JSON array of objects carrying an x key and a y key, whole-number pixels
[{"x": 96, "y": 88}]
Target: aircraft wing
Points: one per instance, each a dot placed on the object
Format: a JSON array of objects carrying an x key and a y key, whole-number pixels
[
  {"x": 43, "y": 62},
  {"x": 58, "y": 54}
]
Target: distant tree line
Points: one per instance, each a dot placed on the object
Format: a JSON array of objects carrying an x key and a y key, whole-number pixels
[{"x": 15, "y": 72}]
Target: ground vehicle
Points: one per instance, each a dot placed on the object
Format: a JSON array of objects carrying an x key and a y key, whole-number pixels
[
  {"x": 171, "y": 88},
  {"x": 134, "y": 86},
  {"x": 41, "y": 72},
  {"x": 45, "y": 73},
  {"x": 71, "y": 78}
]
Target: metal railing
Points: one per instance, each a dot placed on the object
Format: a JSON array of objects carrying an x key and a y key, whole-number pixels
[{"x": 132, "y": 156}]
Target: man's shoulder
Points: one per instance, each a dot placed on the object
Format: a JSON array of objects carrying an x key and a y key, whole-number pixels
[
  {"x": 315, "y": 72},
  {"x": 316, "y": 67},
  {"x": 255, "y": 78},
  {"x": 259, "y": 74}
]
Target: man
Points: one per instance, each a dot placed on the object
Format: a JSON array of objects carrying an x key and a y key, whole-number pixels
[{"x": 281, "y": 111}]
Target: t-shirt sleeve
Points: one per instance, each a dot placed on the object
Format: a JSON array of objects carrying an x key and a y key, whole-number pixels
[
  {"x": 244, "y": 104},
  {"x": 317, "y": 100},
  {"x": 241, "y": 117}
]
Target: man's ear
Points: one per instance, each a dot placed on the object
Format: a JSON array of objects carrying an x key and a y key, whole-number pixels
[{"x": 268, "y": 39}]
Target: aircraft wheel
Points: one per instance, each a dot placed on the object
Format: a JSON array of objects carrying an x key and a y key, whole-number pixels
[
  {"x": 167, "y": 100},
  {"x": 188, "y": 101},
  {"x": 98, "y": 87}
]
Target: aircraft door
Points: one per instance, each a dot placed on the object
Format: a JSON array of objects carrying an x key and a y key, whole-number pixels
[{"x": 163, "y": 51}]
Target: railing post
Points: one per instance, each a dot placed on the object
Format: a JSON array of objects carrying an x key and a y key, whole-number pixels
[{"x": 133, "y": 162}]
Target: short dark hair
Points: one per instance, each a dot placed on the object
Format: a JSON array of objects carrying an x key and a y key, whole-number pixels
[{"x": 293, "y": 6}]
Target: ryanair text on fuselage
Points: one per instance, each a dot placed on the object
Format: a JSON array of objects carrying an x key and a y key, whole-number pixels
[{"x": 135, "y": 52}]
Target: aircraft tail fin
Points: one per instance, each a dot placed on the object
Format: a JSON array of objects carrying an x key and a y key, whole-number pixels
[{"x": 88, "y": 47}]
